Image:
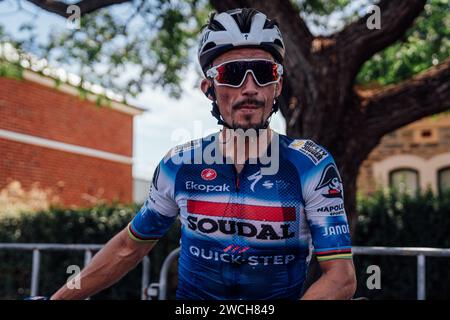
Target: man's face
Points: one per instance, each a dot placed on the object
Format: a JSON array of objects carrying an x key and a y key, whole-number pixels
[{"x": 249, "y": 105}]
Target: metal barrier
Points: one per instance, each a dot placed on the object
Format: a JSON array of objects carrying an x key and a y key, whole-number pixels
[
  {"x": 36, "y": 248},
  {"x": 87, "y": 248},
  {"x": 164, "y": 273},
  {"x": 421, "y": 253}
]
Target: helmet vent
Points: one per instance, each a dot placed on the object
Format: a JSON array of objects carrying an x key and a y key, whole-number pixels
[
  {"x": 209, "y": 46},
  {"x": 269, "y": 24},
  {"x": 215, "y": 25},
  {"x": 278, "y": 42},
  {"x": 244, "y": 19}
]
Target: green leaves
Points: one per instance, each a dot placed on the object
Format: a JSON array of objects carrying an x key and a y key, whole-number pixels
[
  {"x": 425, "y": 45},
  {"x": 10, "y": 70},
  {"x": 128, "y": 48},
  {"x": 95, "y": 225},
  {"x": 326, "y": 17},
  {"x": 321, "y": 7},
  {"x": 396, "y": 219}
]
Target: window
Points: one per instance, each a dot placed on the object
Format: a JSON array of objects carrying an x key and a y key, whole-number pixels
[
  {"x": 444, "y": 180},
  {"x": 404, "y": 180}
]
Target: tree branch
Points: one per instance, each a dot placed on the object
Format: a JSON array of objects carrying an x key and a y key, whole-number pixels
[
  {"x": 86, "y": 6},
  {"x": 394, "y": 106},
  {"x": 358, "y": 43}
]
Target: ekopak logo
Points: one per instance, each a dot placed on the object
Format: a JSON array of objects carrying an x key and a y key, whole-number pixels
[{"x": 209, "y": 174}]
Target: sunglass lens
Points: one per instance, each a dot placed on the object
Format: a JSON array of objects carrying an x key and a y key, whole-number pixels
[
  {"x": 232, "y": 73},
  {"x": 265, "y": 71}
]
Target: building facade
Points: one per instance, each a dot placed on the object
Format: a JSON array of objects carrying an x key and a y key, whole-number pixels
[
  {"x": 415, "y": 157},
  {"x": 50, "y": 135}
]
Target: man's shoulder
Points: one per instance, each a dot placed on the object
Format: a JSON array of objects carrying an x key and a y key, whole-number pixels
[
  {"x": 184, "y": 153},
  {"x": 305, "y": 152},
  {"x": 185, "y": 147}
]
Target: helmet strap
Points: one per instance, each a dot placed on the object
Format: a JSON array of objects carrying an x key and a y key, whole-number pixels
[
  {"x": 216, "y": 114},
  {"x": 275, "y": 108},
  {"x": 215, "y": 108}
]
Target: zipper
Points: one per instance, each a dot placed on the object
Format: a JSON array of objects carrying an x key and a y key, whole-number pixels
[
  {"x": 235, "y": 269},
  {"x": 237, "y": 178}
]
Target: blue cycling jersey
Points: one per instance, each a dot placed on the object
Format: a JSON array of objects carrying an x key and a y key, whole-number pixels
[{"x": 248, "y": 235}]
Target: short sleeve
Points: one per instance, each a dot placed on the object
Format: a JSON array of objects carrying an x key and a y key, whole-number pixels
[
  {"x": 323, "y": 195},
  {"x": 160, "y": 209}
]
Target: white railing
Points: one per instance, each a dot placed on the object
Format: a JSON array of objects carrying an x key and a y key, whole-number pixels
[
  {"x": 88, "y": 249},
  {"x": 159, "y": 289},
  {"x": 420, "y": 253}
]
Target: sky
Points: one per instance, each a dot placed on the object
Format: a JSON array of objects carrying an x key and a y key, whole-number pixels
[{"x": 166, "y": 121}]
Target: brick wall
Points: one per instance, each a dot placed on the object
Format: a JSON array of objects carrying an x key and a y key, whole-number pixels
[
  {"x": 31, "y": 108},
  {"x": 74, "y": 178}
]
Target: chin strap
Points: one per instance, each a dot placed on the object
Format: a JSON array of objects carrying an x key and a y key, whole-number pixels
[
  {"x": 216, "y": 112},
  {"x": 275, "y": 108},
  {"x": 215, "y": 108}
]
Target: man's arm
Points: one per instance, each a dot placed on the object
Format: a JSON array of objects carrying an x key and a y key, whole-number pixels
[
  {"x": 123, "y": 252},
  {"x": 337, "y": 282},
  {"x": 109, "y": 265},
  {"x": 323, "y": 195}
]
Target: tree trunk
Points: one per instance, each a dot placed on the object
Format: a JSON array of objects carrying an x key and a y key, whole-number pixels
[
  {"x": 330, "y": 114},
  {"x": 319, "y": 101}
]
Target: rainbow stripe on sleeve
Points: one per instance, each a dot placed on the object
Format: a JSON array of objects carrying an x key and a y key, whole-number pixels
[
  {"x": 136, "y": 236},
  {"x": 333, "y": 253}
]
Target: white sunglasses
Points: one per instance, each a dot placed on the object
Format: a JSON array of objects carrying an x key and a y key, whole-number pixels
[{"x": 233, "y": 73}]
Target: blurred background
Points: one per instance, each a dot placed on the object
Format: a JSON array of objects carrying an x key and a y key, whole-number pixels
[{"x": 94, "y": 93}]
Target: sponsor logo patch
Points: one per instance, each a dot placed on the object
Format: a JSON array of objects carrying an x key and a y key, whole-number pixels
[
  {"x": 208, "y": 174},
  {"x": 309, "y": 149},
  {"x": 241, "y": 228},
  {"x": 259, "y": 222},
  {"x": 235, "y": 248},
  {"x": 186, "y": 146},
  {"x": 267, "y": 184},
  {"x": 255, "y": 178},
  {"x": 335, "y": 230},
  {"x": 229, "y": 257},
  {"x": 331, "y": 182},
  {"x": 191, "y": 185},
  {"x": 333, "y": 210}
]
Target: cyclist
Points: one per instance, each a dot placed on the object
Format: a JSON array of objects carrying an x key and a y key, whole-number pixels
[{"x": 252, "y": 213}]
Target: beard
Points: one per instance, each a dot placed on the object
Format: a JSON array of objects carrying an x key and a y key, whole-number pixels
[{"x": 249, "y": 121}]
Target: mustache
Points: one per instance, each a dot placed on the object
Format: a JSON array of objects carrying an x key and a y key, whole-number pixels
[{"x": 247, "y": 101}]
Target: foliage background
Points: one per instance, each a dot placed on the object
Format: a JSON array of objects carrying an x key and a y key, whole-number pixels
[
  {"x": 58, "y": 225},
  {"x": 150, "y": 44},
  {"x": 396, "y": 220}
]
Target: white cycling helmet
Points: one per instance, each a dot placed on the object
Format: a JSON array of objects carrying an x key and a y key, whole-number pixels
[{"x": 247, "y": 28}]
